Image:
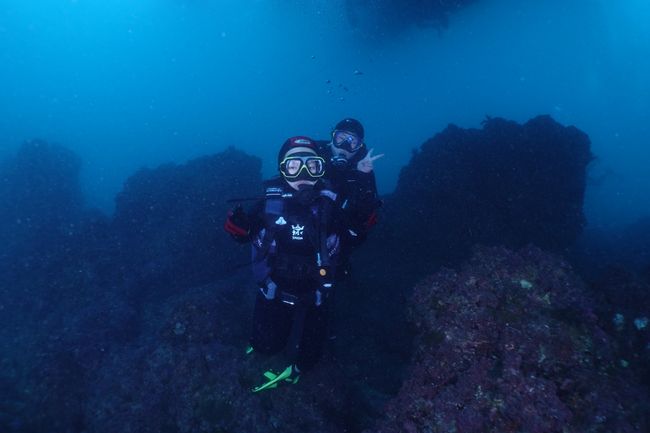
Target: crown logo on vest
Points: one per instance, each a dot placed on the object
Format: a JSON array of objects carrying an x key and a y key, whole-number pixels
[{"x": 296, "y": 232}]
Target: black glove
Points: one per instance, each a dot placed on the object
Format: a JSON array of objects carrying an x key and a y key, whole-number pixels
[{"x": 238, "y": 225}]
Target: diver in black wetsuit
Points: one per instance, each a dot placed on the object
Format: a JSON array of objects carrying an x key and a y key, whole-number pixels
[
  {"x": 350, "y": 171},
  {"x": 295, "y": 245}
]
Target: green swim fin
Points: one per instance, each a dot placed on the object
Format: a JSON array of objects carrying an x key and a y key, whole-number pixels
[{"x": 289, "y": 375}]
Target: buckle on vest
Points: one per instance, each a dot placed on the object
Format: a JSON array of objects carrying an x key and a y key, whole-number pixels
[{"x": 288, "y": 298}]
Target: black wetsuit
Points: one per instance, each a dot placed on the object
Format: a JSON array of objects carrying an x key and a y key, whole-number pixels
[
  {"x": 294, "y": 236},
  {"x": 356, "y": 196}
]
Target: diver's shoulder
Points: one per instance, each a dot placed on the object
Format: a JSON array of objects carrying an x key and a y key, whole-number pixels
[{"x": 275, "y": 182}]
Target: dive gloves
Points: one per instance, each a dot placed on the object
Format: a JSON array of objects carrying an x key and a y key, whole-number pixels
[{"x": 238, "y": 225}]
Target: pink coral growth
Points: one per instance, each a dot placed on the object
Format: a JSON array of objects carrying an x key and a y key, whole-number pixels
[{"x": 510, "y": 343}]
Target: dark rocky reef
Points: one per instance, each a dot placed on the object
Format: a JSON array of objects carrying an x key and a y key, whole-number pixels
[
  {"x": 511, "y": 343},
  {"x": 166, "y": 231},
  {"x": 80, "y": 291},
  {"x": 506, "y": 184},
  {"x": 624, "y": 306},
  {"x": 44, "y": 233},
  {"x": 137, "y": 322},
  {"x": 168, "y": 221},
  {"x": 41, "y": 203},
  {"x": 185, "y": 371},
  {"x": 616, "y": 264}
]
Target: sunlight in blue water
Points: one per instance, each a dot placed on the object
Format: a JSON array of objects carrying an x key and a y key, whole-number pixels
[{"x": 127, "y": 84}]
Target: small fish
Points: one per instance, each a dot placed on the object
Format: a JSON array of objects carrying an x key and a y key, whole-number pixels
[{"x": 358, "y": 72}]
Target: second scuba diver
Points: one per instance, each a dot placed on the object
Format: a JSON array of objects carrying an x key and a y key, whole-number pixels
[
  {"x": 295, "y": 243},
  {"x": 350, "y": 171}
]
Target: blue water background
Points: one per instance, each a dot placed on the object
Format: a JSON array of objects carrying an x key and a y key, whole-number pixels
[{"x": 128, "y": 84}]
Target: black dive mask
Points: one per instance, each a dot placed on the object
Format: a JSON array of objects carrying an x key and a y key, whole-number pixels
[{"x": 348, "y": 141}]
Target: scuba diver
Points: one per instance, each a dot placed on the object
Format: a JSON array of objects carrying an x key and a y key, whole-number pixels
[
  {"x": 350, "y": 171},
  {"x": 294, "y": 246}
]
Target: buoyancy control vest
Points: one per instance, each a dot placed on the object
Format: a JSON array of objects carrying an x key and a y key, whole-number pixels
[{"x": 298, "y": 236}]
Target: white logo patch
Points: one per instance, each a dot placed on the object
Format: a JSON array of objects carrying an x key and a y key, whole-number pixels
[
  {"x": 296, "y": 232},
  {"x": 280, "y": 221}
]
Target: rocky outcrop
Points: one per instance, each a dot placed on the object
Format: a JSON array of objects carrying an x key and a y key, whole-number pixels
[
  {"x": 41, "y": 204},
  {"x": 511, "y": 343},
  {"x": 169, "y": 220},
  {"x": 505, "y": 184}
]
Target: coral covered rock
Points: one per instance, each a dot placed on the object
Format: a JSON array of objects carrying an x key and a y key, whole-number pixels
[
  {"x": 510, "y": 343},
  {"x": 505, "y": 184},
  {"x": 625, "y": 310}
]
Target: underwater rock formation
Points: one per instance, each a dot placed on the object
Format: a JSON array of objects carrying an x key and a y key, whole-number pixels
[
  {"x": 43, "y": 227},
  {"x": 506, "y": 184},
  {"x": 625, "y": 311},
  {"x": 139, "y": 322},
  {"x": 185, "y": 371},
  {"x": 100, "y": 282},
  {"x": 616, "y": 264},
  {"x": 168, "y": 221},
  {"x": 510, "y": 343},
  {"x": 41, "y": 200}
]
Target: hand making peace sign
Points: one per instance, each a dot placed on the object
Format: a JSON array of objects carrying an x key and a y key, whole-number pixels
[{"x": 366, "y": 164}]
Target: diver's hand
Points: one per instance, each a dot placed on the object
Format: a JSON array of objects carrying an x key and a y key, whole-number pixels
[
  {"x": 366, "y": 164},
  {"x": 238, "y": 225}
]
